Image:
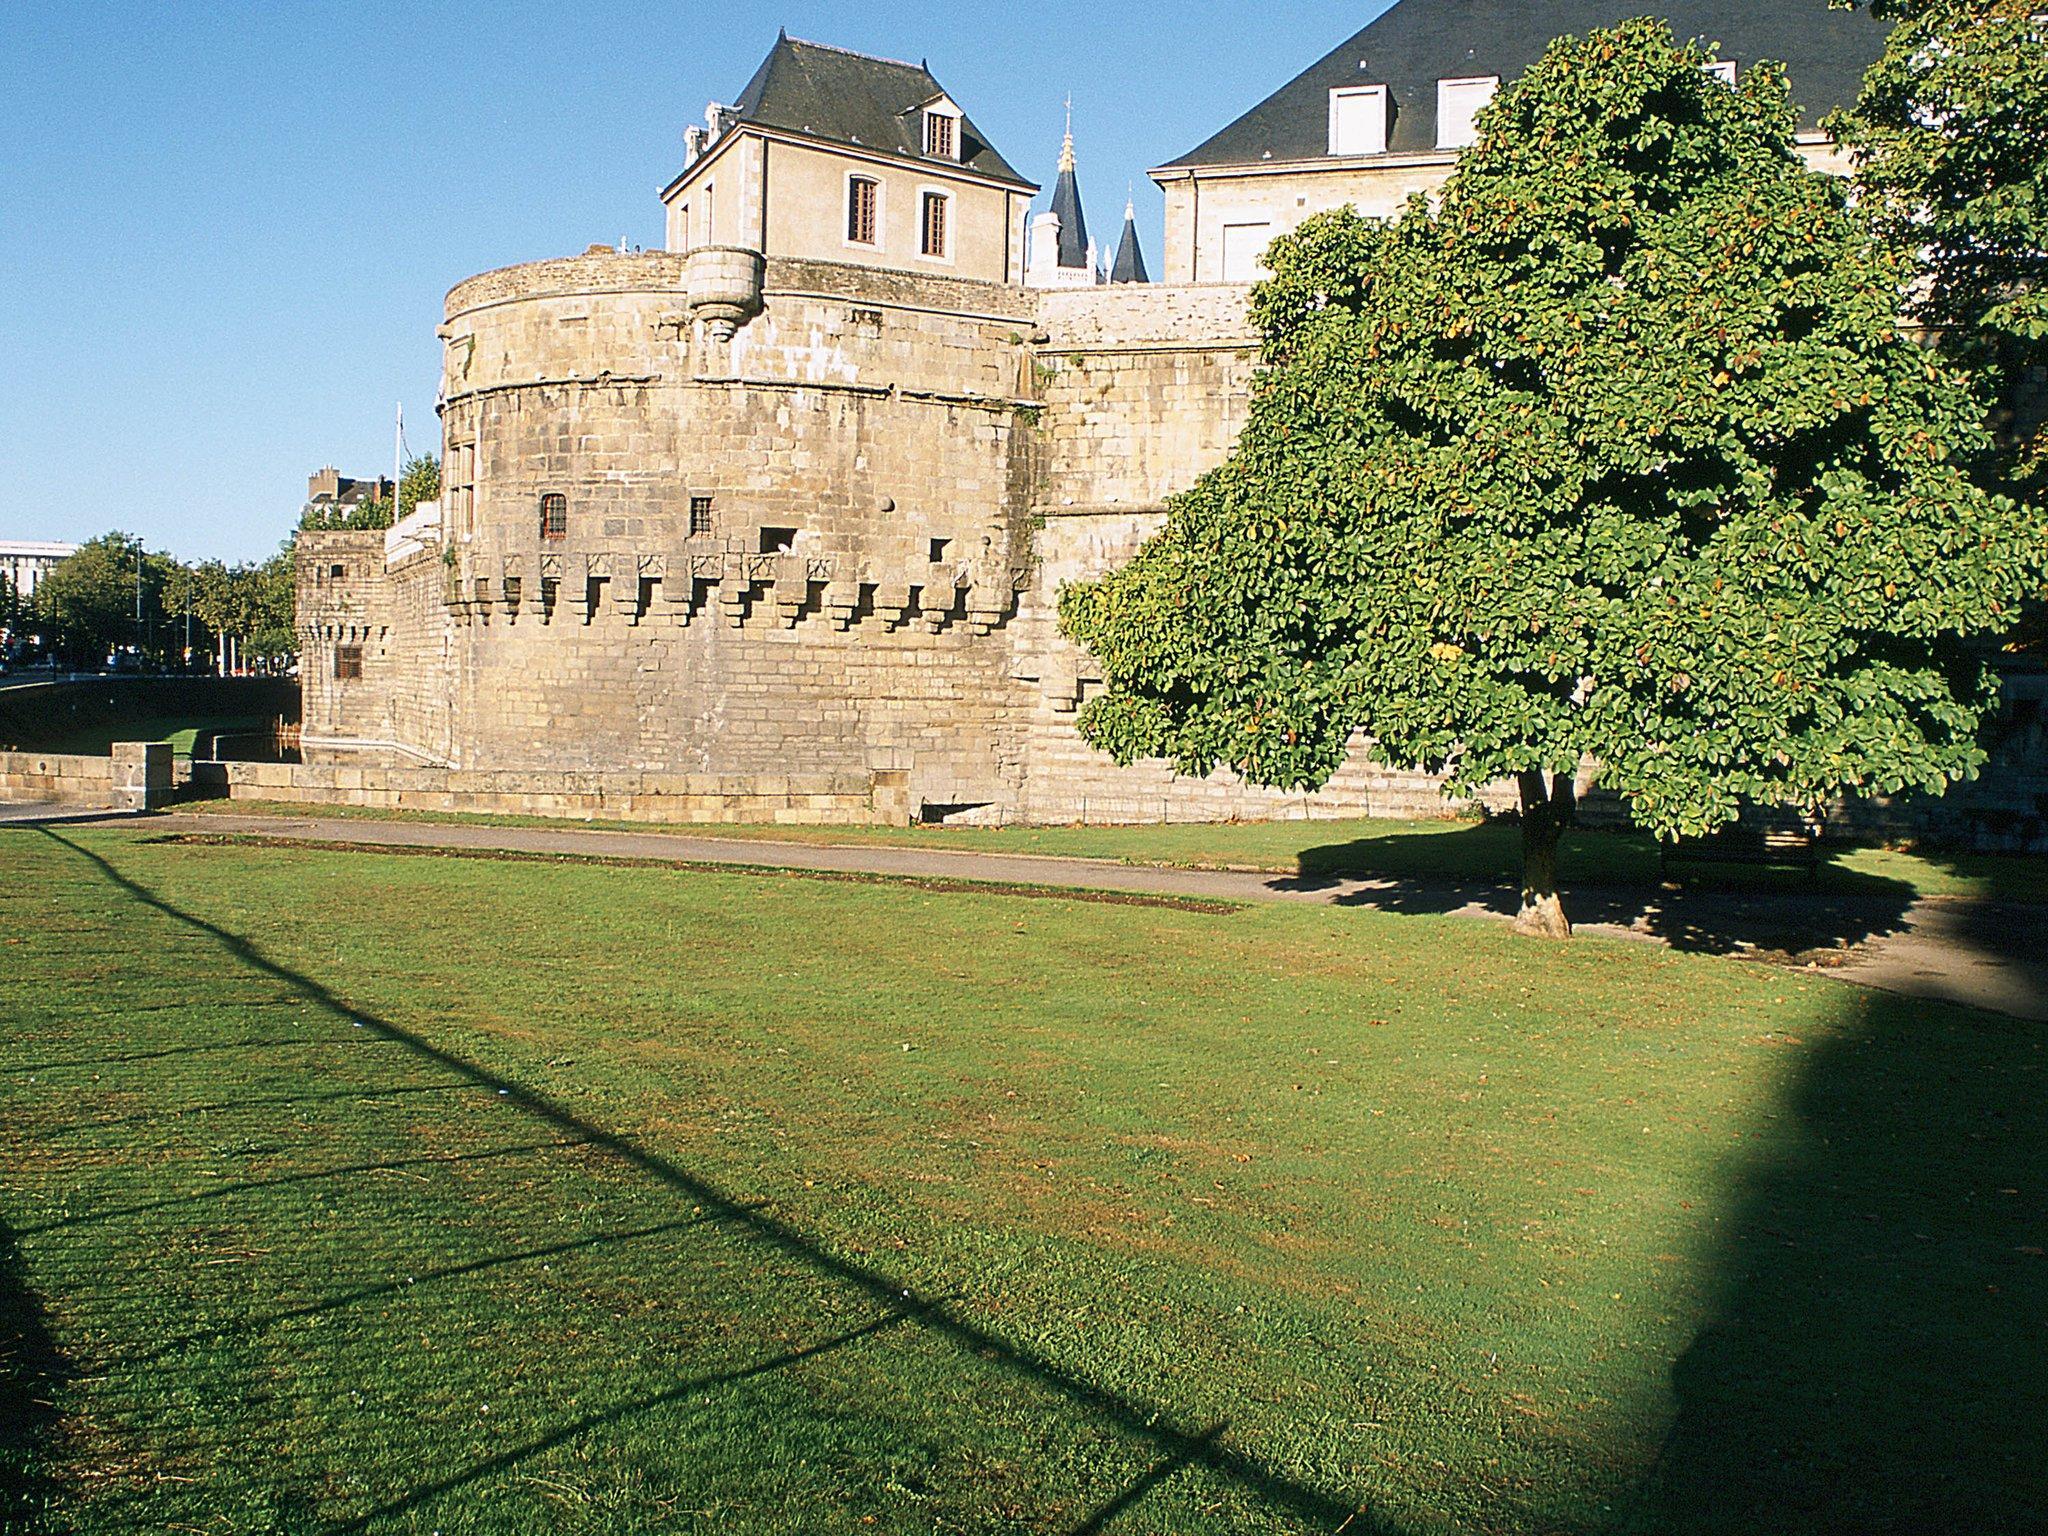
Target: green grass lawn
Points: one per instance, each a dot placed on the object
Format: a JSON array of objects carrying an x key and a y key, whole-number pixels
[
  {"x": 363, "y": 1192},
  {"x": 1424, "y": 850}
]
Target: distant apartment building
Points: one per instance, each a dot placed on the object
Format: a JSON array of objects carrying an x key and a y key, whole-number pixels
[
  {"x": 329, "y": 488},
  {"x": 25, "y": 562}
]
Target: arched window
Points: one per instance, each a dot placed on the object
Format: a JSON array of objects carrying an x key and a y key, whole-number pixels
[
  {"x": 554, "y": 516},
  {"x": 863, "y": 205}
]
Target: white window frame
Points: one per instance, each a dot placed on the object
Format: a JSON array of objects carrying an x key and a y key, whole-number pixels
[
  {"x": 1444, "y": 88},
  {"x": 1722, "y": 70},
  {"x": 947, "y": 258},
  {"x": 880, "y": 242},
  {"x": 1381, "y": 122}
]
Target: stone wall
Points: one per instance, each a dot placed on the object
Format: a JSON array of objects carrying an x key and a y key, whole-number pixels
[
  {"x": 135, "y": 776},
  {"x": 783, "y": 800}
]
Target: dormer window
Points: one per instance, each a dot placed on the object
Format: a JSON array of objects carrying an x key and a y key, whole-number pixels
[
  {"x": 1358, "y": 120},
  {"x": 1458, "y": 103},
  {"x": 942, "y": 135}
]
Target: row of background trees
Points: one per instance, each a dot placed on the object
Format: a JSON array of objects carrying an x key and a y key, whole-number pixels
[{"x": 114, "y": 598}]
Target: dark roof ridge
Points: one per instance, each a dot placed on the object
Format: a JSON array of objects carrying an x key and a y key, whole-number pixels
[{"x": 855, "y": 53}]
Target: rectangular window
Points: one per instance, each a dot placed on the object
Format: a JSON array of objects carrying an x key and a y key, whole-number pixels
[
  {"x": 777, "y": 541},
  {"x": 863, "y": 200},
  {"x": 1458, "y": 102},
  {"x": 1244, "y": 247},
  {"x": 1358, "y": 120},
  {"x": 700, "y": 516},
  {"x": 934, "y": 240},
  {"x": 348, "y": 663},
  {"x": 554, "y": 516},
  {"x": 1722, "y": 70},
  {"x": 939, "y": 548},
  {"x": 939, "y": 136}
]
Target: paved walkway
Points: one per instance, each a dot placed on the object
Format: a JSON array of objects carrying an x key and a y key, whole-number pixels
[{"x": 1989, "y": 954}]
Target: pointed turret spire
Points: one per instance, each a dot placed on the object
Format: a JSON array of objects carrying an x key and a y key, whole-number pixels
[
  {"x": 1066, "y": 202},
  {"x": 1129, "y": 266}
]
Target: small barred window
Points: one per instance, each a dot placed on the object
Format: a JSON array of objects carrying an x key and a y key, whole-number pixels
[
  {"x": 554, "y": 516},
  {"x": 700, "y": 516}
]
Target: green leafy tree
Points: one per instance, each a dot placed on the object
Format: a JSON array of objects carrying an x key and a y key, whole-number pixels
[
  {"x": 1616, "y": 461},
  {"x": 420, "y": 482},
  {"x": 1950, "y": 143},
  {"x": 87, "y": 605},
  {"x": 269, "y": 601}
]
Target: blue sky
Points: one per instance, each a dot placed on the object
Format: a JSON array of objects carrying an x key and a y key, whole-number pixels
[{"x": 226, "y": 228}]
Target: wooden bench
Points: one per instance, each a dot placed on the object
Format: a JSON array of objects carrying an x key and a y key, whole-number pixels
[{"x": 1764, "y": 847}]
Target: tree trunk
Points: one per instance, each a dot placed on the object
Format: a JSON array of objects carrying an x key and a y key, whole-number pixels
[{"x": 1547, "y": 808}]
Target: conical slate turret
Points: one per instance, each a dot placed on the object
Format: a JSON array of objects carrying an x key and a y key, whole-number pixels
[
  {"x": 1066, "y": 202},
  {"x": 1129, "y": 266}
]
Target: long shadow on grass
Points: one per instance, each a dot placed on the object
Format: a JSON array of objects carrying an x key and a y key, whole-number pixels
[
  {"x": 1612, "y": 879},
  {"x": 1877, "y": 1355},
  {"x": 30, "y": 1370},
  {"x": 1141, "y": 1421}
]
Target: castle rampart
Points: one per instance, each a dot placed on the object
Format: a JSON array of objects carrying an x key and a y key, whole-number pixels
[{"x": 818, "y": 530}]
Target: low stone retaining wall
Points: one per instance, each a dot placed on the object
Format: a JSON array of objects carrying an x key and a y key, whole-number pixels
[
  {"x": 798, "y": 800},
  {"x": 137, "y": 776}
]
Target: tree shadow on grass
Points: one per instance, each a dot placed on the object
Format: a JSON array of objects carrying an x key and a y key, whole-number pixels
[
  {"x": 30, "y": 1371},
  {"x": 1611, "y": 879},
  {"x": 1144, "y": 1424},
  {"x": 1877, "y": 1358}
]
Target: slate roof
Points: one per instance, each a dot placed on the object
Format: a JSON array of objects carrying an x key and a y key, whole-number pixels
[
  {"x": 1419, "y": 42},
  {"x": 1066, "y": 202},
  {"x": 855, "y": 99},
  {"x": 1129, "y": 266}
]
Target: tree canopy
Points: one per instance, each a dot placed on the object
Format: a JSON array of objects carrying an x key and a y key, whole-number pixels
[
  {"x": 1950, "y": 142},
  {"x": 1616, "y": 456}
]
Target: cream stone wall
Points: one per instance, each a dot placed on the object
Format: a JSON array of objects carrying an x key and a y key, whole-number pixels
[{"x": 788, "y": 199}]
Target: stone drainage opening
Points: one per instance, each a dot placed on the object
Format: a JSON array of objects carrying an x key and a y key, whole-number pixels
[{"x": 933, "y": 814}]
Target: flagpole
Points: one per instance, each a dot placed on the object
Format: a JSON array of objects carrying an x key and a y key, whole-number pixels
[{"x": 397, "y": 460}]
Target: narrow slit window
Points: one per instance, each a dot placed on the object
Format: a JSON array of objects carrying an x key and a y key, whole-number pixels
[
  {"x": 934, "y": 243},
  {"x": 554, "y": 516},
  {"x": 700, "y": 516},
  {"x": 863, "y": 200}
]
